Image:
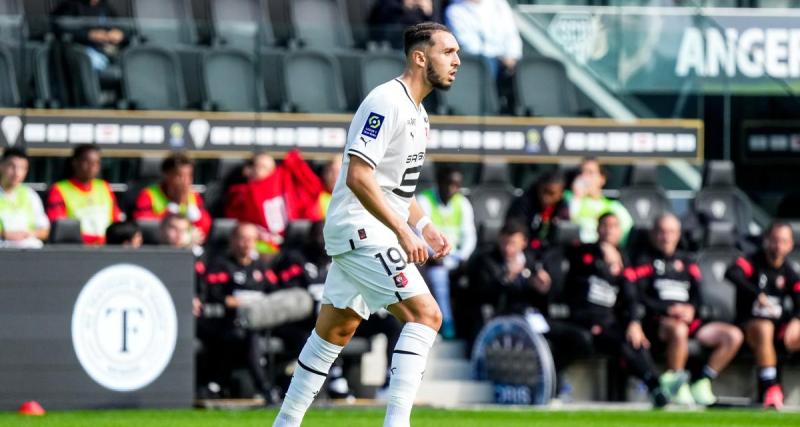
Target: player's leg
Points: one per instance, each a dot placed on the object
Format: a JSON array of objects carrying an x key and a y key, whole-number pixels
[
  {"x": 422, "y": 319},
  {"x": 332, "y": 332},
  {"x": 675, "y": 334},
  {"x": 439, "y": 277},
  {"x": 725, "y": 340},
  {"x": 611, "y": 341},
  {"x": 791, "y": 337},
  {"x": 760, "y": 335}
]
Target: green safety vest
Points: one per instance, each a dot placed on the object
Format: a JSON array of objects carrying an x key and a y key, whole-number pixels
[
  {"x": 16, "y": 211},
  {"x": 94, "y": 209},
  {"x": 447, "y": 221},
  {"x": 159, "y": 200}
]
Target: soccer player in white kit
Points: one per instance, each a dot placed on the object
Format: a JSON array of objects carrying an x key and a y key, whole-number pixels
[{"x": 368, "y": 231}]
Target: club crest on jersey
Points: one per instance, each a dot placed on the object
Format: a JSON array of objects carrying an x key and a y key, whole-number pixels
[
  {"x": 400, "y": 280},
  {"x": 373, "y": 125}
]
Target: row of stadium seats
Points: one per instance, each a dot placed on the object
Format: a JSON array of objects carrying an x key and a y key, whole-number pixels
[
  {"x": 242, "y": 24},
  {"x": 166, "y": 68},
  {"x": 159, "y": 78}
]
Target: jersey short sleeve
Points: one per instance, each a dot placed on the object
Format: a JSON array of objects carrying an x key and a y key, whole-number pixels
[{"x": 372, "y": 129}]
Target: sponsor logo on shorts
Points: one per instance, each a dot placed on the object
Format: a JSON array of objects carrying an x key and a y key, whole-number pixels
[
  {"x": 373, "y": 125},
  {"x": 400, "y": 280},
  {"x": 362, "y": 234}
]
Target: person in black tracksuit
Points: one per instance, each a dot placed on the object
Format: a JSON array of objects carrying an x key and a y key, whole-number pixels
[
  {"x": 541, "y": 207},
  {"x": 668, "y": 283},
  {"x": 229, "y": 280},
  {"x": 601, "y": 301},
  {"x": 763, "y": 281}
]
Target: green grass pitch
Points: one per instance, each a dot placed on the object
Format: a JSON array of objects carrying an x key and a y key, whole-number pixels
[{"x": 422, "y": 418}]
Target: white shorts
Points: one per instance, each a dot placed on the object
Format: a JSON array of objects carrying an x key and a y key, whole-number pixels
[{"x": 369, "y": 278}]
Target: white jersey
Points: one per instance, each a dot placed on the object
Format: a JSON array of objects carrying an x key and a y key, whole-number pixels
[{"x": 390, "y": 132}]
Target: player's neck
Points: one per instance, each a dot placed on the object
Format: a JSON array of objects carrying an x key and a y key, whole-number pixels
[{"x": 418, "y": 87}]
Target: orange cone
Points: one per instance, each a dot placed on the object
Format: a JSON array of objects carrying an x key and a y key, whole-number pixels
[{"x": 31, "y": 407}]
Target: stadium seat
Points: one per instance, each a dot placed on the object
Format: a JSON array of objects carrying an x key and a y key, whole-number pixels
[
  {"x": 164, "y": 22},
  {"x": 358, "y": 17},
  {"x": 543, "y": 89},
  {"x": 719, "y": 200},
  {"x": 719, "y": 295},
  {"x": 325, "y": 95},
  {"x": 490, "y": 200},
  {"x": 12, "y": 21},
  {"x": 151, "y": 231},
  {"x": 66, "y": 231},
  {"x": 644, "y": 198},
  {"x": 378, "y": 68},
  {"x": 296, "y": 234},
  {"x": 9, "y": 92},
  {"x": 85, "y": 81},
  {"x": 474, "y": 91},
  {"x": 320, "y": 24},
  {"x": 241, "y": 24},
  {"x": 152, "y": 79},
  {"x": 232, "y": 82}
]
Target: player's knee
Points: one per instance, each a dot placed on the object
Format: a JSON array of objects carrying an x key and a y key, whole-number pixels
[
  {"x": 733, "y": 337},
  {"x": 430, "y": 317}
]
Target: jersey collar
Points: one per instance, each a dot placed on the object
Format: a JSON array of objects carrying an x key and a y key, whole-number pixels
[{"x": 405, "y": 89}]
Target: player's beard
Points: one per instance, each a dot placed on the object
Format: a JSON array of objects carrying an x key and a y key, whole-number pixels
[{"x": 435, "y": 79}]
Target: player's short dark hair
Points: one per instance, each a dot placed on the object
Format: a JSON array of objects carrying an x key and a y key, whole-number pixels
[
  {"x": 512, "y": 227},
  {"x": 119, "y": 233},
  {"x": 606, "y": 216},
  {"x": 549, "y": 177},
  {"x": 778, "y": 224},
  {"x": 11, "y": 153},
  {"x": 173, "y": 217},
  {"x": 444, "y": 172},
  {"x": 175, "y": 161},
  {"x": 82, "y": 149},
  {"x": 421, "y": 33}
]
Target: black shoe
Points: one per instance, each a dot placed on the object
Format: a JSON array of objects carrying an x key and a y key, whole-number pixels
[{"x": 659, "y": 398}]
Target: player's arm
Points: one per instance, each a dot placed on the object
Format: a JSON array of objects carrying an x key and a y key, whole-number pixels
[
  {"x": 433, "y": 237},
  {"x": 361, "y": 181}
]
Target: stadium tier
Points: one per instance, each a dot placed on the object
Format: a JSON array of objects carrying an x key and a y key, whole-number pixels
[{"x": 616, "y": 180}]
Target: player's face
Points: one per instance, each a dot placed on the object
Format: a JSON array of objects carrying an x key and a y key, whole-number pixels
[
  {"x": 263, "y": 166},
  {"x": 666, "y": 235},
  {"x": 180, "y": 180},
  {"x": 13, "y": 171},
  {"x": 87, "y": 167},
  {"x": 442, "y": 60},
  {"x": 779, "y": 243},
  {"x": 609, "y": 231},
  {"x": 511, "y": 245},
  {"x": 176, "y": 233},
  {"x": 590, "y": 173},
  {"x": 244, "y": 240},
  {"x": 450, "y": 185},
  {"x": 550, "y": 194}
]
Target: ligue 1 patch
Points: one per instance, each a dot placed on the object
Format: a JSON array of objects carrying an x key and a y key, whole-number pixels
[
  {"x": 362, "y": 234},
  {"x": 400, "y": 280},
  {"x": 373, "y": 125}
]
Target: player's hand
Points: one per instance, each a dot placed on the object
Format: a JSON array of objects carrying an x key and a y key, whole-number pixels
[
  {"x": 763, "y": 300},
  {"x": 437, "y": 241},
  {"x": 415, "y": 248},
  {"x": 635, "y": 335},
  {"x": 541, "y": 281}
]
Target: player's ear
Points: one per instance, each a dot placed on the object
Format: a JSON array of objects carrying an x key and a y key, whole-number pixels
[{"x": 418, "y": 57}]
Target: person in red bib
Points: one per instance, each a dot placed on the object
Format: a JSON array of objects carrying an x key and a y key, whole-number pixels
[
  {"x": 174, "y": 195},
  {"x": 275, "y": 195},
  {"x": 85, "y": 197}
]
